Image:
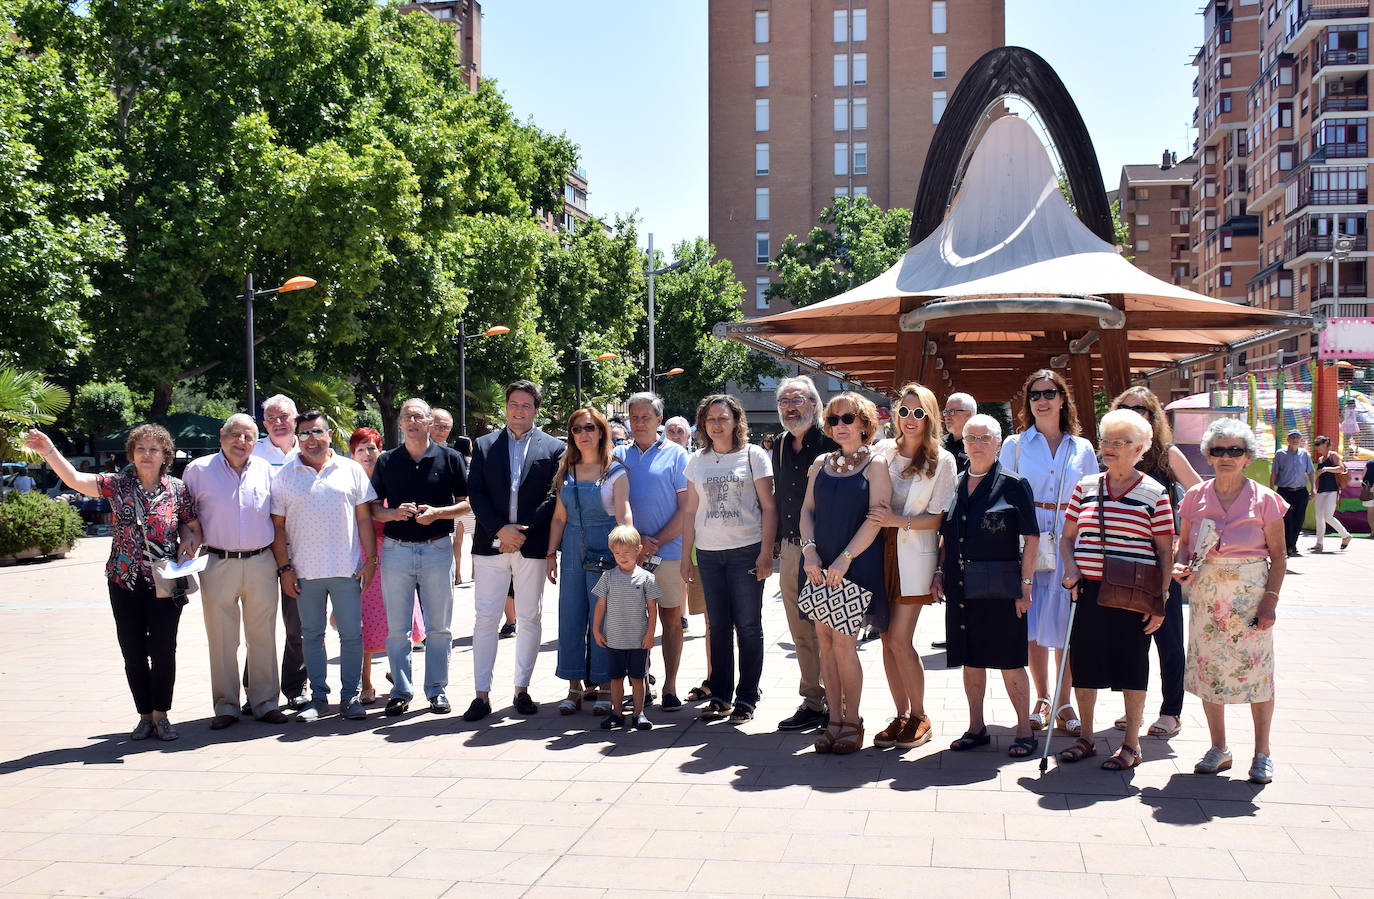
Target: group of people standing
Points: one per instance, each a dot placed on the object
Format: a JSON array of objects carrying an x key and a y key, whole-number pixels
[{"x": 1014, "y": 537}]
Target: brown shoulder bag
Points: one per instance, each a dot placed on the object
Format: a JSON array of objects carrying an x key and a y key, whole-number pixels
[{"x": 1126, "y": 584}]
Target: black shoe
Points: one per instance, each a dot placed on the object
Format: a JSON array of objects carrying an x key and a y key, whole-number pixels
[
  {"x": 439, "y": 705},
  {"x": 524, "y": 705},
  {"x": 296, "y": 703},
  {"x": 804, "y": 717},
  {"x": 479, "y": 709},
  {"x": 939, "y": 644},
  {"x": 396, "y": 706},
  {"x": 1293, "y": 552},
  {"x": 612, "y": 721},
  {"x": 507, "y": 630},
  {"x": 248, "y": 708}
]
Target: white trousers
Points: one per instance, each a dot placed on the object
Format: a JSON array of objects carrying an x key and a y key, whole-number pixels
[
  {"x": 492, "y": 577},
  {"x": 1326, "y": 514}
]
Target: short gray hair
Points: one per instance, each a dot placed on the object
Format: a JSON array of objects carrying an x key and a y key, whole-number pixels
[
  {"x": 806, "y": 382},
  {"x": 436, "y": 410},
  {"x": 280, "y": 401},
  {"x": 985, "y": 421},
  {"x": 680, "y": 421},
  {"x": 1139, "y": 428},
  {"x": 963, "y": 400},
  {"x": 238, "y": 418},
  {"x": 652, "y": 399},
  {"x": 1230, "y": 429},
  {"x": 413, "y": 401}
]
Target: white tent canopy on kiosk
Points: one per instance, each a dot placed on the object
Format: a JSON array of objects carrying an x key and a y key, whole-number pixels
[{"x": 1010, "y": 281}]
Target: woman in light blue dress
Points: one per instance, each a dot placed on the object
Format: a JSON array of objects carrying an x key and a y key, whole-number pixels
[{"x": 1052, "y": 458}]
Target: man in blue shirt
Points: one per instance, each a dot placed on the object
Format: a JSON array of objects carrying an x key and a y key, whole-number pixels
[
  {"x": 658, "y": 487},
  {"x": 1291, "y": 475}
]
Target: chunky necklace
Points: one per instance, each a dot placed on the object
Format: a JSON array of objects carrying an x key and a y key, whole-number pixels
[{"x": 845, "y": 462}]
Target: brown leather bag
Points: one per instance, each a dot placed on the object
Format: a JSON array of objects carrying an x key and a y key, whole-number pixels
[
  {"x": 1342, "y": 477},
  {"x": 1133, "y": 586}
]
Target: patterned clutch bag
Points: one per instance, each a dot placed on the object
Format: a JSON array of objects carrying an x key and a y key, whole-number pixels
[{"x": 839, "y": 608}]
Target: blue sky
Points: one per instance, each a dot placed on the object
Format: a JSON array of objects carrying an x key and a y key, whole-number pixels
[{"x": 626, "y": 80}]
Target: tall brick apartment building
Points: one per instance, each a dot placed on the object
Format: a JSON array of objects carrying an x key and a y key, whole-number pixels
[
  {"x": 1156, "y": 209},
  {"x": 813, "y": 99}
]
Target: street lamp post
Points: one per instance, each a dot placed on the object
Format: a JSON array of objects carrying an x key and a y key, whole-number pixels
[
  {"x": 297, "y": 283},
  {"x": 651, "y": 272},
  {"x": 463, "y": 339},
  {"x": 580, "y": 359}
]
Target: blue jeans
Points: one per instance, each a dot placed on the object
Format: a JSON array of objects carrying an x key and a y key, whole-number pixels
[
  {"x": 734, "y": 605},
  {"x": 579, "y": 656},
  {"x": 428, "y": 567},
  {"x": 347, "y": 596}
]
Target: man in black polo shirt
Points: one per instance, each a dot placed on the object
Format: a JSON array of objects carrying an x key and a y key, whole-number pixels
[
  {"x": 959, "y": 408},
  {"x": 424, "y": 487},
  {"x": 799, "y": 409}
]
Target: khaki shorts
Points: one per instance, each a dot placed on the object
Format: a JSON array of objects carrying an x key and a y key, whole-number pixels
[{"x": 668, "y": 576}]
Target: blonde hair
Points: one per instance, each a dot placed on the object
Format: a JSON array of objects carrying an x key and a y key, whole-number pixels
[
  {"x": 927, "y": 455},
  {"x": 623, "y": 536}
]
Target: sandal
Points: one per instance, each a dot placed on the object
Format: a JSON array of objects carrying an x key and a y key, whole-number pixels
[
  {"x": 1022, "y": 747},
  {"x": 741, "y": 714},
  {"x": 602, "y": 706},
  {"x": 1117, "y": 761},
  {"x": 850, "y": 738},
  {"x": 143, "y": 731},
  {"x": 970, "y": 740},
  {"x": 1071, "y": 726},
  {"x": 1039, "y": 719},
  {"x": 1120, "y": 723},
  {"x": 826, "y": 741},
  {"x": 699, "y": 694},
  {"x": 573, "y": 703},
  {"x": 368, "y": 696},
  {"x": 1159, "y": 730},
  {"x": 165, "y": 732},
  {"x": 715, "y": 710},
  {"x": 1080, "y": 750}
]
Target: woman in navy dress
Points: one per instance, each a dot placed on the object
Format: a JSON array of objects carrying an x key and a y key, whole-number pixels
[{"x": 841, "y": 544}]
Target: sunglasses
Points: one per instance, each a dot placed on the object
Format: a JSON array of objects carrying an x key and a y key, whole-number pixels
[
  {"x": 311, "y": 432},
  {"x": 907, "y": 412},
  {"x": 1048, "y": 393},
  {"x": 848, "y": 418},
  {"x": 1139, "y": 410},
  {"x": 583, "y": 429},
  {"x": 1235, "y": 452}
]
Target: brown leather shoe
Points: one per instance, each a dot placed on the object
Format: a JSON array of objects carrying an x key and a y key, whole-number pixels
[
  {"x": 273, "y": 717},
  {"x": 915, "y": 733},
  {"x": 220, "y": 722},
  {"x": 887, "y": 737}
]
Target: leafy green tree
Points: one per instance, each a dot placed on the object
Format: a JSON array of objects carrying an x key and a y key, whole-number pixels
[
  {"x": 1119, "y": 229},
  {"x": 26, "y": 401},
  {"x": 853, "y": 242},
  {"x": 102, "y": 408},
  {"x": 56, "y": 165}
]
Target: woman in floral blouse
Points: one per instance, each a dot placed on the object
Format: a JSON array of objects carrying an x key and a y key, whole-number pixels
[
  {"x": 155, "y": 519},
  {"x": 1233, "y": 592}
]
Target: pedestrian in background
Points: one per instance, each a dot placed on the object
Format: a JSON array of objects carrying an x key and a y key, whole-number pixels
[
  {"x": 1293, "y": 476},
  {"x": 1331, "y": 477}
]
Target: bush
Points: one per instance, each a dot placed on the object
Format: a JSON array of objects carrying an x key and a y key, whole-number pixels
[
  {"x": 103, "y": 408},
  {"x": 368, "y": 418},
  {"x": 34, "y": 521}
]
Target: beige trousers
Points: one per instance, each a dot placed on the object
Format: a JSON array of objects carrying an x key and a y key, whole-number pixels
[
  {"x": 226, "y": 586},
  {"x": 803, "y": 631}
]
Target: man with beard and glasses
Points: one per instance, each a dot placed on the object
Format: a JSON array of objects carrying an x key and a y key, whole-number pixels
[{"x": 799, "y": 408}]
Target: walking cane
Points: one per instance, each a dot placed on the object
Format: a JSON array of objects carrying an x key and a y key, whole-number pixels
[{"x": 1059, "y": 681}]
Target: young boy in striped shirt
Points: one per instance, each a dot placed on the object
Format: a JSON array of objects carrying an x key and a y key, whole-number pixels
[{"x": 623, "y": 622}]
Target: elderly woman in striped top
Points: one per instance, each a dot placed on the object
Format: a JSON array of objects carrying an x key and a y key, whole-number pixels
[{"x": 1129, "y": 512}]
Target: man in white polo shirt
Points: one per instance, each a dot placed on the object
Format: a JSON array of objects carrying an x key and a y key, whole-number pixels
[
  {"x": 320, "y": 508},
  {"x": 233, "y": 491}
]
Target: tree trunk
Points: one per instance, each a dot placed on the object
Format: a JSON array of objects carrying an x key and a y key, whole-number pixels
[
  {"x": 162, "y": 400},
  {"x": 386, "y": 406}
]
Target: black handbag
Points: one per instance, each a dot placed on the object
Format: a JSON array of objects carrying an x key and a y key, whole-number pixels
[{"x": 992, "y": 580}]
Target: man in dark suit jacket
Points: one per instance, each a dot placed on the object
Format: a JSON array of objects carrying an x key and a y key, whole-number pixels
[{"x": 510, "y": 488}]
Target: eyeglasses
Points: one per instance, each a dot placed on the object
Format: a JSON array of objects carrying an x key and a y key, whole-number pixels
[
  {"x": 311, "y": 432},
  {"x": 949, "y": 412},
  {"x": 277, "y": 419},
  {"x": 583, "y": 429},
  {"x": 848, "y": 418},
  {"x": 1235, "y": 452},
  {"x": 907, "y": 412},
  {"x": 1139, "y": 410},
  {"x": 415, "y": 417},
  {"x": 793, "y": 402},
  {"x": 1116, "y": 444},
  {"x": 980, "y": 439},
  {"x": 1048, "y": 393}
]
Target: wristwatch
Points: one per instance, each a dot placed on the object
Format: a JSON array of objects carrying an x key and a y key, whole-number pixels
[
  {"x": 285, "y": 568},
  {"x": 848, "y": 555},
  {"x": 806, "y": 543},
  {"x": 1028, "y": 581}
]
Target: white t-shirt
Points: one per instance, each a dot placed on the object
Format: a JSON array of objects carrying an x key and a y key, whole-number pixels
[
  {"x": 728, "y": 512},
  {"x": 266, "y": 449},
  {"x": 321, "y": 516}
]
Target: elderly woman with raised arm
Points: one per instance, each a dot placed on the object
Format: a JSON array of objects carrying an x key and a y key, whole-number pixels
[
  {"x": 155, "y": 520},
  {"x": 1120, "y": 517},
  {"x": 1232, "y": 560}
]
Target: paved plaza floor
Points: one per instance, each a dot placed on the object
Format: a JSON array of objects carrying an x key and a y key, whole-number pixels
[{"x": 554, "y": 806}]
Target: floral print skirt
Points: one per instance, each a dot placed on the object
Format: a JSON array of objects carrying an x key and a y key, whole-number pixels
[{"x": 1228, "y": 660}]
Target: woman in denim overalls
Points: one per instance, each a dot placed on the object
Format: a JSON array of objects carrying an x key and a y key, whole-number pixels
[{"x": 593, "y": 497}]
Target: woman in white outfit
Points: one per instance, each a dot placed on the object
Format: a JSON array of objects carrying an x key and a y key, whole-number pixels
[
  {"x": 1329, "y": 463},
  {"x": 923, "y": 479},
  {"x": 1052, "y": 458}
]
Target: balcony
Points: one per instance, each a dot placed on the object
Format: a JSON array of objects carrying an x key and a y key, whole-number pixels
[
  {"x": 1348, "y": 150},
  {"x": 1321, "y": 10},
  {"x": 1327, "y": 57},
  {"x": 1348, "y": 291},
  {"x": 1309, "y": 197},
  {"x": 1342, "y": 103},
  {"x": 1320, "y": 243}
]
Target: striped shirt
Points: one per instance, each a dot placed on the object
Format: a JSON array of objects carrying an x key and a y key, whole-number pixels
[
  {"x": 1131, "y": 520},
  {"x": 627, "y": 596}
]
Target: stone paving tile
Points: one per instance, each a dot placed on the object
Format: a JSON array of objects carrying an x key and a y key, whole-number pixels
[
  {"x": 883, "y": 881},
  {"x": 358, "y": 885},
  {"x": 1201, "y": 888},
  {"x": 322, "y": 857},
  {"x": 197, "y": 882},
  {"x": 722, "y": 876},
  {"x": 1105, "y": 858},
  {"x": 593, "y": 871},
  {"x": 1020, "y": 854},
  {"x": 63, "y": 878}
]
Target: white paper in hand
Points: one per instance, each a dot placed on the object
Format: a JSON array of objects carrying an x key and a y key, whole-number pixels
[{"x": 192, "y": 566}]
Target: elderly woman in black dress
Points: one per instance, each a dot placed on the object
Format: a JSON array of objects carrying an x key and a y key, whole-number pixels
[{"x": 985, "y": 576}]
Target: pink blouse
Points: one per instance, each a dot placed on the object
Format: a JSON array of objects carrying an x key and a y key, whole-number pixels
[{"x": 1241, "y": 528}]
